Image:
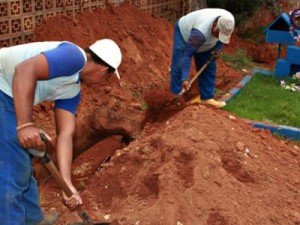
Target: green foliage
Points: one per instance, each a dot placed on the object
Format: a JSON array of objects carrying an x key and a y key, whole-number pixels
[
  {"x": 240, "y": 9},
  {"x": 257, "y": 35},
  {"x": 252, "y": 34},
  {"x": 219, "y": 92},
  {"x": 245, "y": 7},
  {"x": 264, "y": 100},
  {"x": 238, "y": 60},
  {"x": 144, "y": 106},
  {"x": 138, "y": 96}
]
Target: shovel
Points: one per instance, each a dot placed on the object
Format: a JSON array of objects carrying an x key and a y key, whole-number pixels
[
  {"x": 44, "y": 157},
  {"x": 162, "y": 104},
  {"x": 212, "y": 58}
]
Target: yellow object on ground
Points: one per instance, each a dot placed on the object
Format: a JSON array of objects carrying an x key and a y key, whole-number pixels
[
  {"x": 195, "y": 100},
  {"x": 213, "y": 102}
]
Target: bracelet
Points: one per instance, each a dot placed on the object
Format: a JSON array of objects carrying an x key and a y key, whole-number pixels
[{"x": 25, "y": 125}]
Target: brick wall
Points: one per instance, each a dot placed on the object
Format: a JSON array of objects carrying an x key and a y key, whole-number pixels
[{"x": 18, "y": 18}]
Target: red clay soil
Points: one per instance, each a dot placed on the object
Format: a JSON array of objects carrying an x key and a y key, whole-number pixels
[
  {"x": 189, "y": 165},
  {"x": 162, "y": 104}
]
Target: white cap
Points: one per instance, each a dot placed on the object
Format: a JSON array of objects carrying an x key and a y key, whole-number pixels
[
  {"x": 226, "y": 27},
  {"x": 109, "y": 52}
]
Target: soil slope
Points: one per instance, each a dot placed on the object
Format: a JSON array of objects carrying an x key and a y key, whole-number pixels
[
  {"x": 197, "y": 165},
  {"x": 202, "y": 166}
]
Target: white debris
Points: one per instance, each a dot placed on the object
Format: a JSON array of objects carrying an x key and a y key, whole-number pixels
[
  {"x": 232, "y": 117},
  {"x": 107, "y": 217}
]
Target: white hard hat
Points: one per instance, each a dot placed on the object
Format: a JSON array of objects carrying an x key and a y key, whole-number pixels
[{"x": 109, "y": 52}]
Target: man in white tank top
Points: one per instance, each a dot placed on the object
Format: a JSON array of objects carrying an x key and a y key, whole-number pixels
[{"x": 200, "y": 34}]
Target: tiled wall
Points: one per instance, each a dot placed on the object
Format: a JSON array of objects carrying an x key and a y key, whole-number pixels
[
  {"x": 168, "y": 9},
  {"x": 18, "y": 18}
]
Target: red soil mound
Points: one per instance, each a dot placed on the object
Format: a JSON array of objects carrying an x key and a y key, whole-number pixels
[{"x": 196, "y": 166}]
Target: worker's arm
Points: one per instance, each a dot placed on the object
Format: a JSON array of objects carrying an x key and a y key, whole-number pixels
[
  {"x": 195, "y": 41},
  {"x": 64, "y": 60},
  {"x": 65, "y": 127},
  {"x": 25, "y": 79},
  {"x": 219, "y": 46},
  {"x": 217, "y": 49}
]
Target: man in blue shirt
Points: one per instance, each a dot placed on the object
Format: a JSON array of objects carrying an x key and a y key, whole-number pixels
[
  {"x": 200, "y": 34},
  {"x": 29, "y": 74}
]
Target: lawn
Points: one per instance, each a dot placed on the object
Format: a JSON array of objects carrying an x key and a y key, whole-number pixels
[{"x": 264, "y": 99}]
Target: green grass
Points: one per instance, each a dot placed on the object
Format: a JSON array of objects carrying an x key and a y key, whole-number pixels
[
  {"x": 262, "y": 99},
  {"x": 239, "y": 60},
  {"x": 219, "y": 92}
]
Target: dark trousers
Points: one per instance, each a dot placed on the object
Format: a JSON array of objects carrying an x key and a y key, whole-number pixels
[{"x": 19, "y": 197}]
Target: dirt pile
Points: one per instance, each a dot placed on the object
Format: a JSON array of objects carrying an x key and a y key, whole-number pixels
[
  {"x": 197, "y": 166},
  {"x": 202, "y": 166}
]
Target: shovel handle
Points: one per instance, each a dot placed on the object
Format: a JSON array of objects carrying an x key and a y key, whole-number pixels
[
  {"x": 212, "y": 58},
  {"x": 54, "y": 171},
  {"x": 63, "y": 185},
  {"x": 194, "y": 78},
  {"x": 46, "y": 159}
]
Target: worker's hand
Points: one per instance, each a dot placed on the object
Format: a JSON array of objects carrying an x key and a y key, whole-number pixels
[
  {"x": 186, "y": 85},
  {"x": 29, "y": 137},
  {"x": 73, "y": 201},
  {"x": 216, "y": 54}
]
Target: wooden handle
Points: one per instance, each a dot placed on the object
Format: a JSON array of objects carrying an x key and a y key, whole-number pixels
[
  {"x": 63, "y": 185},
  {"x": 198, "y": 73},
  {"x": 212, "y": 58},
  {"x": 195, "y": 77}
]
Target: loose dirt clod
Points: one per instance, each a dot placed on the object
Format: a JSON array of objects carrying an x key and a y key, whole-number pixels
[{"x": 162, "y": 104}]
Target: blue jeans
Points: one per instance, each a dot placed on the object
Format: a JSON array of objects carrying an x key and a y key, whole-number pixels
[
  {"x": 177, "y": 55},
  {"x": 207, "y": 79},
  {"x": 19, "y": 197}
]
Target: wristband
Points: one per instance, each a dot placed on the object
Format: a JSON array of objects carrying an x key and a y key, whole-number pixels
[{"x": 24, "y": 125}]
